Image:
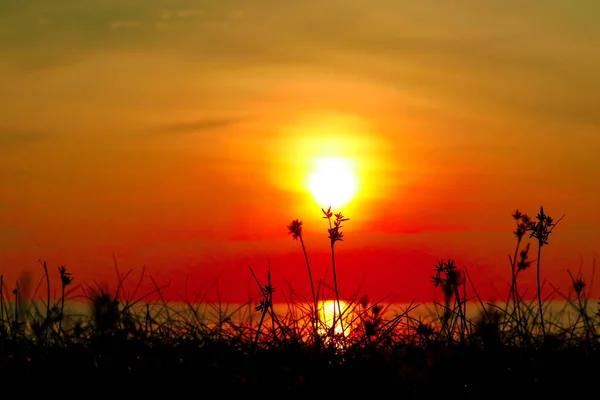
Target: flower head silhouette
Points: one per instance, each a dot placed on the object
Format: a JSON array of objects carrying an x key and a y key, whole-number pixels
[{"x": 295, "y": 229}]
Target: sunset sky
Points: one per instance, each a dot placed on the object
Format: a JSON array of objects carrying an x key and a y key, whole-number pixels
[{"x": 180, "y": 136}]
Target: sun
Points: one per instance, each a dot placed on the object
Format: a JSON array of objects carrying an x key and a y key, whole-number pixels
[
  {"x": 332, "y": 181},
  {"x": 330, "y": 312}
]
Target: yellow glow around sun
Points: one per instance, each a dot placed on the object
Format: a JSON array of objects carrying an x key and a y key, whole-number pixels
[
  {"x": 332, "y": 181},
  {"x": 330, "y": 159}
]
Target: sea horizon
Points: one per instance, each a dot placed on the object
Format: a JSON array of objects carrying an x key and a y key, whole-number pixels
[{"x": 559, "y": 312}]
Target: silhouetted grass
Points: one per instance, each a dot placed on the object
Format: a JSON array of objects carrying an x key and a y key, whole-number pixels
[{"x": 467, "y": 347}]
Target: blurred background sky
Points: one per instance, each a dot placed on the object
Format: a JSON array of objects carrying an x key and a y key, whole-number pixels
[{"x": 177, "y": 135}]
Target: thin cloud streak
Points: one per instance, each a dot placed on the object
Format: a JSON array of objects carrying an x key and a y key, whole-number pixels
[
  {"x": 15, "y": 137},
  {"x": 202, "y": 125}
]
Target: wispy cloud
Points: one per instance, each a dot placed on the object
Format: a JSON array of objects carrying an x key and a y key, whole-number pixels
[
  {"x": 124, "y": 24},
  {"x": 14, "y": 137},
  {"x": 201, "y": 125},
  {"x": 180, "y": 14}
]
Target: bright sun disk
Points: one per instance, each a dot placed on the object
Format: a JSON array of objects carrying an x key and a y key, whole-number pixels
[{"x": 332, "y": 182}]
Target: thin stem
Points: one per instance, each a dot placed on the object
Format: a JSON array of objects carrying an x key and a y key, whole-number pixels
[
  {"x": 513, "y": 265},
  {"x": 16, "y": 316},
  {"x": 47, "y": 299},
  {"x": 62, "y": 310},
  {"x": 337, "y": 296},
  {"x": 461, "y": 315},
  {"x": 1, "y": 303},
  {"x": 539, "y": 290},
  {"x": 315, "y": 317},
  {"x": 514, "y": 288}
]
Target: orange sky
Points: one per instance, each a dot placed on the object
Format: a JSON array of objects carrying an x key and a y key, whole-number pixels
[{"x": 179, "y": 136}]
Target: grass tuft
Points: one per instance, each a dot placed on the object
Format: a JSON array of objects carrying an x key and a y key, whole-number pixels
[{"x": 464, "y": 346}]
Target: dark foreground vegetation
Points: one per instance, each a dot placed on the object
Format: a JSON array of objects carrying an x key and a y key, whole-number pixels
[{"x": 123, "y": 343}]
